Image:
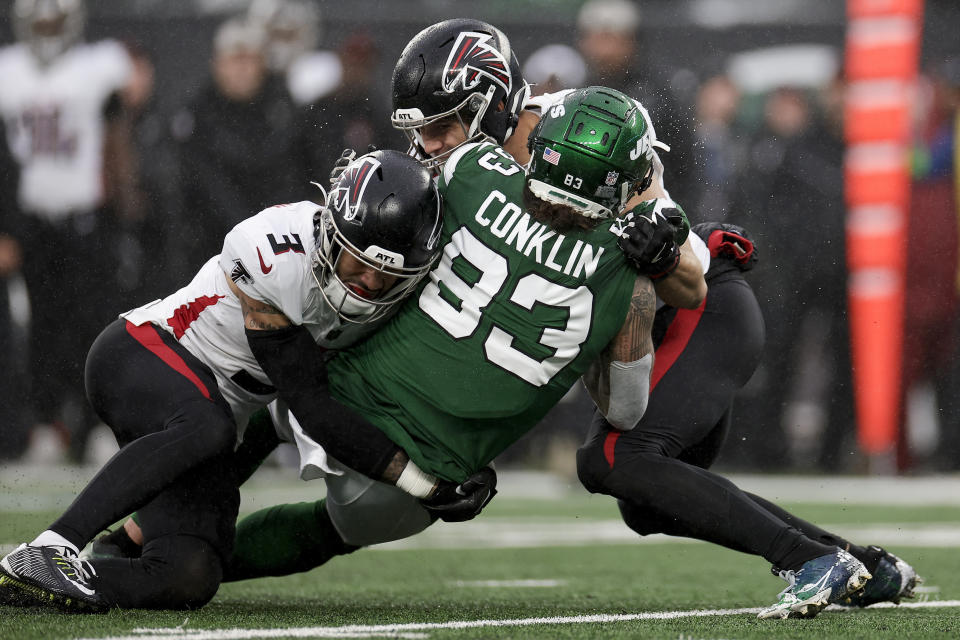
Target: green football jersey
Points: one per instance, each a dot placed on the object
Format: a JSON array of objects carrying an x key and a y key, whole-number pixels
[{"x": 508, "y": 320}]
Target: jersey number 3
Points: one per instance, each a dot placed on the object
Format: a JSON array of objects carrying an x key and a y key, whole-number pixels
[{"x": 462, "y": 320}]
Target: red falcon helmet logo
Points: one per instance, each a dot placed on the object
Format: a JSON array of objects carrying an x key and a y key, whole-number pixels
[
  {"x": 473, "y": 56},
  {"x": 346, "y": 197}
]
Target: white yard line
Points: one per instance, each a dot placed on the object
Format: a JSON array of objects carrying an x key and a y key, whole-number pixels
[
  {"x": 497, "y": 532},
  {"x": 510, "y": 584},
  {"x": 40, "y": 487},
  {"x": 518, "y": 533},
  {"x": 417, "y": 629}
]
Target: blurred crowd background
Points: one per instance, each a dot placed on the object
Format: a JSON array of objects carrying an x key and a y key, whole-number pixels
[{"x": 137, "y": 132}]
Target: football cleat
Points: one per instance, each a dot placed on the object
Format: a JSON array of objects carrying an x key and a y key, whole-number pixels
[
  {"x": 892, "y": 580},
  {"x": 819, "y": 582},
  {"x": 50, "y": 576}
]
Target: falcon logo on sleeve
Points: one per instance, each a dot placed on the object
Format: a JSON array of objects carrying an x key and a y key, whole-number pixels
[
  {"x": 472, "y": 57},
  {"x": 240, "y": 273},
  {"x": 346, "y": 197}
]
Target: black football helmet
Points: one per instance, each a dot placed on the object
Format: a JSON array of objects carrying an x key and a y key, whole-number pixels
[
  {"x": 464, "y": 68},
  {"x": 385, "y": 211}
]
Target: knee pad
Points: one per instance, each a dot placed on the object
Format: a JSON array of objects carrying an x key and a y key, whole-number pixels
[
  {"x": 365, "y": 512},
  {"x": 592, "y": 468},
  {"x": 189, "y": 567},
  {"x": 641, "y": 520}
]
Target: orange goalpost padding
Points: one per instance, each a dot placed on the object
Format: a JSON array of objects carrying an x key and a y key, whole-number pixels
[{"x": 881, "y": 61}]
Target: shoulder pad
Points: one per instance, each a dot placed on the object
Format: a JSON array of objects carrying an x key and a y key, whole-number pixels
[{"x": 269, "y": 257}]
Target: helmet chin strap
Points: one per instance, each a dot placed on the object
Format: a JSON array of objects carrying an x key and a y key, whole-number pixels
[{"x": 344, "y": 302}]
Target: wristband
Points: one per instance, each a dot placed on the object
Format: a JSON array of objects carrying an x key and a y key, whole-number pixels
[{"x": 416, "y": 482}]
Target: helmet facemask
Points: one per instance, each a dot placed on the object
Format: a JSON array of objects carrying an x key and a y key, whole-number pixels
[
  {"x": 468, "y": 116},
  {"x": 382, "y": 215},
  {"x": 463, "y": 69},
  {"x": 349, "y": 302}
]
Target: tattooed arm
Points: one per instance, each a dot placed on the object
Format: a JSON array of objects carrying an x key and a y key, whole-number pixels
[
  {"x": 257, "y": 315},
  {"x": 301, "y": 382},
  {"x": 619, "y": 381}
]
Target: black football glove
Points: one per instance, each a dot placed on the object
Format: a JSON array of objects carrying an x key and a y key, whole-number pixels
[
  {"x": 346, "y": 157},
  {"x": 452, "y": 502},
  {"x": 649, "y": 237},
  {"x": 729, "y": 241}
]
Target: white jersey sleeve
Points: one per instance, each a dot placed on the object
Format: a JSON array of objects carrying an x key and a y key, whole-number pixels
[{"x": 269, "y": 257}]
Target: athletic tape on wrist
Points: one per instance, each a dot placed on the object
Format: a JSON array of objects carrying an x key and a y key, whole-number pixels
[{"x": 416, "y": 482}]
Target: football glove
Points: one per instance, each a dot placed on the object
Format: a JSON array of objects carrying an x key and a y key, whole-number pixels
[
  {"x": 346, "y": 157},
  {"x": 729, "y": 241},
  {"x": 452, "y": 502},
  {"x": 651, "y": 235}
]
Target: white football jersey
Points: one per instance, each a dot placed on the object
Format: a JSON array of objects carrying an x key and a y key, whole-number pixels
[
  {"x": 270, "y": 258},
  {"x": 55, "y": 127}
]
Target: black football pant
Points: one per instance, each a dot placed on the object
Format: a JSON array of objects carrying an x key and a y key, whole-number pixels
[
  {"x": 174, "y": 468},
  {"x": 658, "y": 470}
]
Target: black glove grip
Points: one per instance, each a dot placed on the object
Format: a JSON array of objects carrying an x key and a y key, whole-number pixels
[{"x": 453, "y": 502}]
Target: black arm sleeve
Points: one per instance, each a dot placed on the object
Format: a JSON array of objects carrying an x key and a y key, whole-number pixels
[{"x": 296, "y": 365}]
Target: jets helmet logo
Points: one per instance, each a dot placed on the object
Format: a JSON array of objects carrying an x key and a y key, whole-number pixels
[
  {"x": 473, "y": 56},
  {"x": 347, "y": 196}
]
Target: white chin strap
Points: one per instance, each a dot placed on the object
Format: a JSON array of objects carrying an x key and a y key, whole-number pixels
[{"x": 345, "y": 302}]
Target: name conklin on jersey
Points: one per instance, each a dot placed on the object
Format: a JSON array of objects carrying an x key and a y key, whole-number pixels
[{"x": 517, "y": 228}]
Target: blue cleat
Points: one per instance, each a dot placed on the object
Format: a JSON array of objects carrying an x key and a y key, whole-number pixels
[
  {"x": 819, "y": 582},
  {"x": 892, "y": 580}
]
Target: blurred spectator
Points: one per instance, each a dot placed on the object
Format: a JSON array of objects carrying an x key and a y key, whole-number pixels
[
  {"x": 14, "y": 316},
  {"x": 59, "y": 100},
  {"x": 930, "y": 335},
  {"x": 719, "y": 151},
  {"x": 140, "y": 185},
  {"x": 237, "y": 150},
  {"x": 791, "y": 198},
  {"x": 293, "y": 33},
  {"x": 608, "y": 40},
  {"x": 355, "y": 115},
  {"x": 554, "y": 67}
]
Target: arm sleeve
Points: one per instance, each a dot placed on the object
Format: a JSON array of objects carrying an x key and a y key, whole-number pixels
[{"x": 296, "y": 366}]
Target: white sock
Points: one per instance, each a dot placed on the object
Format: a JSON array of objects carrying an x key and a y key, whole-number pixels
[{"x": 53, "y": 539}]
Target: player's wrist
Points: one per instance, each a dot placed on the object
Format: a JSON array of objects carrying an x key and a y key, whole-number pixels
[{"x": 416, "y": 482}]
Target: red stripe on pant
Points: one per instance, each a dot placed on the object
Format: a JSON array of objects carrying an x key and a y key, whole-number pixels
[
  {"x": 148, "y": 336},
  {"x": 674, "y": 342}
]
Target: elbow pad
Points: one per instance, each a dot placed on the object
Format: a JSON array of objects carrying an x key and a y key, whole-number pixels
[
  {"x": 296, "y": 365},
  {"x": 629, "y": 392}
]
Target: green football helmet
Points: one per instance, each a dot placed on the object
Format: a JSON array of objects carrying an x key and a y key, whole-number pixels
[{"x": 591, "y": 152}]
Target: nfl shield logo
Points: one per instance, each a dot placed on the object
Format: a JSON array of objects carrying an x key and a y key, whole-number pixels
[{"x": 612, "y": 178}]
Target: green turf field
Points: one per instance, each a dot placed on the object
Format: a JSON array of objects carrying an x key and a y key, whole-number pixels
[{"x": 554, "y": 566}]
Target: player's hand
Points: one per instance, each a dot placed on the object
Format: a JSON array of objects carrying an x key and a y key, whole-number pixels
[
  {"x": 729, "y": 241},
  {"x": 452, "y": 502},
  {"x": 649, "y": 237},
  {"x": 346, "y": 157}
]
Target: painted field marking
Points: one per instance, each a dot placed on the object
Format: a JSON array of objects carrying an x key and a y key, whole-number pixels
[
  {"x": 408, "y": 630},
  {"x": 511, "y": 533},
  {"x": 508, "y": 583}
]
